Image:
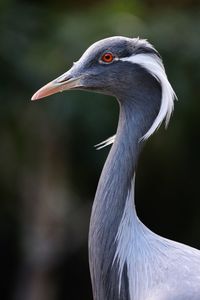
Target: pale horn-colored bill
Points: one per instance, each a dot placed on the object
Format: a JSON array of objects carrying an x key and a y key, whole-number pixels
[{"x": 60, "y": 84}]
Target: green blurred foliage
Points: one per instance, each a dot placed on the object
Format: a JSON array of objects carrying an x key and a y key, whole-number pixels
[{"x": 54, "y": 138}]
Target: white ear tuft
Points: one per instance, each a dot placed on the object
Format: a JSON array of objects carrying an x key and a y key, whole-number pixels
[{"x": 153, "y": 64}]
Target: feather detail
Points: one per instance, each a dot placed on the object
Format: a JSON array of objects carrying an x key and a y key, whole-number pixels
[
  {"x": 153, "y": 64},
  {"x": 105, "y": 143}
]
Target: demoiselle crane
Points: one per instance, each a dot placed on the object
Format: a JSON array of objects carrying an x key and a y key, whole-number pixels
[{"x": 127, "y": 260}]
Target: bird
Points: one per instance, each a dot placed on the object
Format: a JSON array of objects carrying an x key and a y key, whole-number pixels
[{"x": 127, "y": 260}]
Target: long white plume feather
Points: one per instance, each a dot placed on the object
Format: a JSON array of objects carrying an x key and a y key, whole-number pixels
[{"x": 153, "y": 64}]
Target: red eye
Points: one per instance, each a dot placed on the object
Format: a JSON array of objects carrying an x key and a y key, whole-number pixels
[{"x": 107, "y": 57}]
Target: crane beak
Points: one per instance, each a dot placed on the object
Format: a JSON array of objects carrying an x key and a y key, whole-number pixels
[{"x": 60, "y": 84}]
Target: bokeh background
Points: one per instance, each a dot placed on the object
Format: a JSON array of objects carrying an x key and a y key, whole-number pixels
[{"x": 49, "y": 168}]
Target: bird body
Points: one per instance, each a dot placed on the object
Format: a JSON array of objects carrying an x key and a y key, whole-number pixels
[{"x": 127, "y": 260}]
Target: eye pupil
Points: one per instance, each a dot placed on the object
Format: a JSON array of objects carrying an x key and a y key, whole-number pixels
[{"x": 107, "y": 57}]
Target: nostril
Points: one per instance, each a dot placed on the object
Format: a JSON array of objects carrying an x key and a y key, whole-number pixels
[{"x": 63, "y": 78}]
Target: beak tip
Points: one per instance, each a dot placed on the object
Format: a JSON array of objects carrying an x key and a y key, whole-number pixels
[
  {"x": 36, "y": 96},
  {"x": 33, "y": 98}
]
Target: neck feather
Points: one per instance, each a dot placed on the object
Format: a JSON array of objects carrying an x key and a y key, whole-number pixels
[{"x": 137, "y": 114}]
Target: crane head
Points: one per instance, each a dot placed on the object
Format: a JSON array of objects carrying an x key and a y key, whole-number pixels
[
  {"x": 102, "y": 68},
  {"x": 119, "y": 66}
]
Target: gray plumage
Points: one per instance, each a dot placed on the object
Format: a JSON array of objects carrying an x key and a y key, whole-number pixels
[{"x": 127, "y": 260}]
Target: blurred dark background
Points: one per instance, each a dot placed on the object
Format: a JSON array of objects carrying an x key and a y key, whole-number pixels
[{"x": 49, "y": 169}]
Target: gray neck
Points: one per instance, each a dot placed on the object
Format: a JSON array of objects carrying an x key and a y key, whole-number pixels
[{"x": 137, "y": 114}]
